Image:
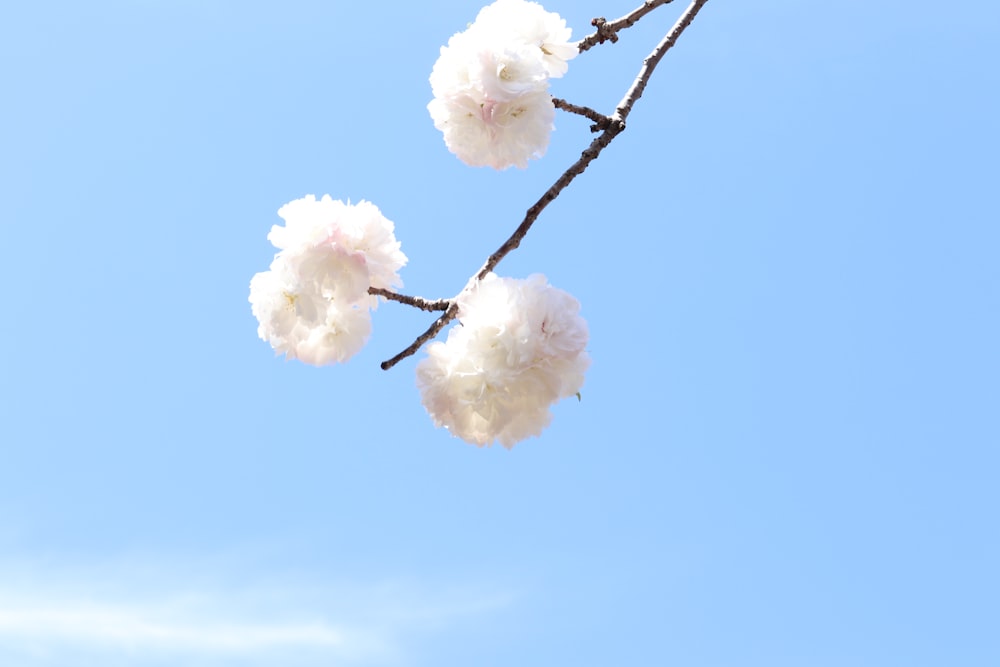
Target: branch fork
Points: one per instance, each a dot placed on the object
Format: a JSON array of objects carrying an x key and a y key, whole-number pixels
[{"x": 608, "y": 126}]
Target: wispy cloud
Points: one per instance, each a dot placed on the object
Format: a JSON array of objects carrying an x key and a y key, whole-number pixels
[
  {"x": 122, "y": 619},
  {"x": 122, "y": 625}
]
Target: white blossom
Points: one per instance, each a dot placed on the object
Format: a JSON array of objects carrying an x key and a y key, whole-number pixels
[
  {"x": 313, "y": 303},
  {"x": 519, "y": 349},
  {"x": 495, "y": 134},
  {"x": 535, "y": 26},
  {"x": 359, "y": 227},
  {"x": 490, "y": 84}
]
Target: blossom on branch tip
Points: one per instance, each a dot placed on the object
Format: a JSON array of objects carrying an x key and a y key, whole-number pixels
[
  {"x": 491, "y": 83},
  {"x": 535, "y": 26},
  {"x": 357, "y": 227},
  {"x": 519, "y": 349},
  {"x": 313, "y": 303}
]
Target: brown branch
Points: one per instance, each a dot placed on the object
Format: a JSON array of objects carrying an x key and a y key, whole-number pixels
[
  {"x": 607, "y": 31},
  {"x": 588, "y": 156},
  {"x": 653, "y": 59},
  {"x": 578, "y": 167},
  {"x": 616, "y": 125},
  {"x": 432, "y": 331},
  {"x": 601, "y": 121},
  {"x": 415, "y": 301}
]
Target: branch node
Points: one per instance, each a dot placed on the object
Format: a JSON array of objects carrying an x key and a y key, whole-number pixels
[
  {"x": 605, "y": 33},
  {"x": 415, "y": 301},
  {"x": 610, "y": 127},
  {"x": 601, "y": 122}
]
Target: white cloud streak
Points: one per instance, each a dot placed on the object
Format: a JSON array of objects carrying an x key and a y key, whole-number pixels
[
  {"x": 132, "y": 627},
  {"x": 58, "y": 614}
]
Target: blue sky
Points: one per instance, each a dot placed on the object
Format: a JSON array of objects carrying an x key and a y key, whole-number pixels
[{"x": 787, "y": 447}]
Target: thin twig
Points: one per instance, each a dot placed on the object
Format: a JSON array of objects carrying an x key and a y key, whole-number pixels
[
  {"x": 601, "y": 121},
  {"x": 415, "y": 301},
  {"x": 653, "y": 59},
  {"x": 432, "y": 331},
  {"x": 615, "y": 127},
  {"x": 578, "y": 167},
  {"x": 607, "y": 31},
  {"x": 588, "y": 156}
]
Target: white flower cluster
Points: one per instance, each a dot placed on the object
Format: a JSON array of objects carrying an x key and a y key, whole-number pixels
[
  {"x": 519, "y": 349},
  {"x": 313, "y": 304},
  {"x": 491, "y": 84}
]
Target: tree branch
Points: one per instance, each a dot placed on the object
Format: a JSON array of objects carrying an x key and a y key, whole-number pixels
[
  {"x": 578, "y": 167},
  {"x": 608, "y": 31},
  {"x": 616, "y": 125},
  {"x": 432, "y": 331},
  {"x": 601, "y": 121},
  {"x": 415, "y": 301},
  {"x": 653, "y": 59}
]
